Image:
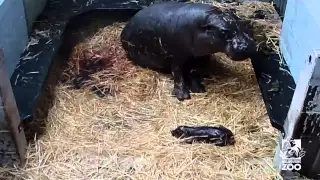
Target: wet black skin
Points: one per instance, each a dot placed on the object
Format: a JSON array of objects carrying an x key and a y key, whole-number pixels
[
  {"x": 220, "y": 136},
  {"x": 176, "y": 37}
]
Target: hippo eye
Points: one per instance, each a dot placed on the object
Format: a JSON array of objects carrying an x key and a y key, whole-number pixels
[
  {"x": 228, "y": 34},
  {"x": 225, "y": 33},
  {"x": 207, "y": 28}
]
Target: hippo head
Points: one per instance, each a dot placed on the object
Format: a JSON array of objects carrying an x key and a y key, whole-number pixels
[
  {"x": 224, "y": 31},
  {"x": 240, "y": 42}
]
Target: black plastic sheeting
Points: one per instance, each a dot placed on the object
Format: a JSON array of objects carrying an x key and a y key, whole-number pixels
[
  {"x": 30, "y": 75},
  {"x": 277, "y": 87}
]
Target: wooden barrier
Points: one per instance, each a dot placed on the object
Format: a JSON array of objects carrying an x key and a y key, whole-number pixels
[{"x": 11, "y": 113}]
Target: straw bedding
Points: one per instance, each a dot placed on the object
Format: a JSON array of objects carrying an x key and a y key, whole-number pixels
[{"x": 122, "y": 130}]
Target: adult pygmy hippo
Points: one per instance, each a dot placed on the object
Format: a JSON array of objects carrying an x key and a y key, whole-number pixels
[{"x": 174, "y": 37}]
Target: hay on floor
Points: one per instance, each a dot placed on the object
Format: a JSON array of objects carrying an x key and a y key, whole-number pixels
[{"x": 126, "y": 134}]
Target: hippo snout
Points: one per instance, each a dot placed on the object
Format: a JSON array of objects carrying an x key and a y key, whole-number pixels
[{"x": 241, "y": 47}]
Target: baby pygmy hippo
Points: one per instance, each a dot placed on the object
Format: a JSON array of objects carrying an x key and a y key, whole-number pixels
[
  {"x": 220, "y": 136},
  {"x": 176, "y": 37}
]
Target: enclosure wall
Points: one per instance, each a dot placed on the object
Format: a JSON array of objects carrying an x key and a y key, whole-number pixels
[
  {"x": 281, "y": 5},
  {"x": 13, "y": 31},
  {"x": 299, "y": 35},
  {"x": 13, "y": 34},
  {"x": 14, "y": 27}
]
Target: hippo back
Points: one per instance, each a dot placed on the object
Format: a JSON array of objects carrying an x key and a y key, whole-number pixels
[{"x": 172, "y": 23}]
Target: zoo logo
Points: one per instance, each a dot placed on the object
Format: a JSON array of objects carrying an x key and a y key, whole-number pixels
[{"x": 291, "y": 153}]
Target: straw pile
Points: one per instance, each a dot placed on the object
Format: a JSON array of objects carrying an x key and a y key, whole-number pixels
[{"x": 126, "y": 134}]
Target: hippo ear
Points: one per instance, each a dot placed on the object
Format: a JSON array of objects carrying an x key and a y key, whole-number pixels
[
  {"x": 215, "y": 10},
  {"x": 205, "y": 26},
  {"x": 212, "y": 22},
  {"x": 212, "y": 27},
  {"x": 217, "y": 25},
  {"x": 233, "y": 13}
]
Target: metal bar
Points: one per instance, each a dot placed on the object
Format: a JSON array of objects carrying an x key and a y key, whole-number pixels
[{"x": 11, "y": 111}]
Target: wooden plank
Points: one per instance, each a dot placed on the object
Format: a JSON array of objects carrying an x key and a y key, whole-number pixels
[
  {"x": 303, "y": 121},
  {"x": 10, "y": 110}
]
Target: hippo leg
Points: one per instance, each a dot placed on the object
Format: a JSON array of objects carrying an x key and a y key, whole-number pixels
[
  {"x": 180, "y": 89},
  {"x": 195, "y": 82},
  {"x": 194, "y": 79}
]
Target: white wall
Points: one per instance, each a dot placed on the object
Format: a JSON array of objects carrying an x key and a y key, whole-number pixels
[{"x": 300, "y": 33}]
